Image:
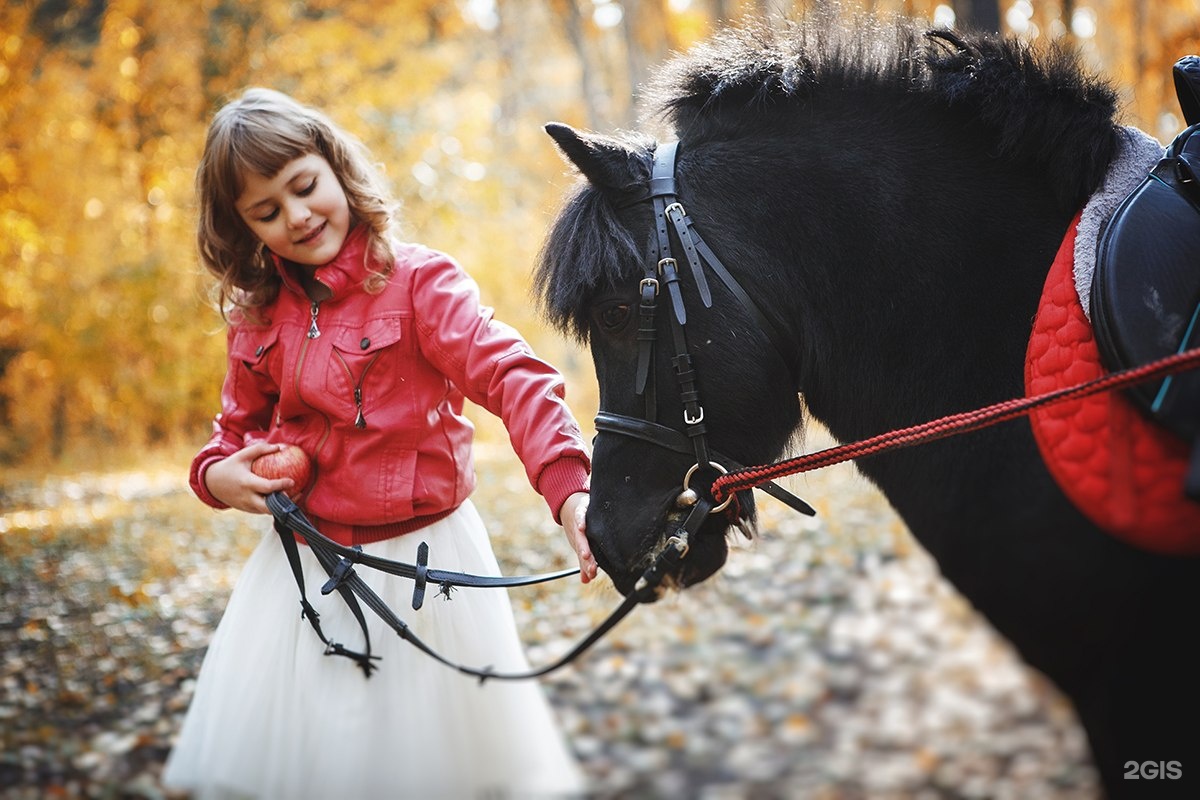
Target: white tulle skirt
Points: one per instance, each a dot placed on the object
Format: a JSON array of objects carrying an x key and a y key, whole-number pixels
[{"x": 273, "y": 717}]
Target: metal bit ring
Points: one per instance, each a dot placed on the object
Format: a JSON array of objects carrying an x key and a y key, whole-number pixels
[{"x": 687, "y": 497}]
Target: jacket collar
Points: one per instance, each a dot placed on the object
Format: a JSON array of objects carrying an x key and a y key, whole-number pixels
[{"x": 345, "y": 272}]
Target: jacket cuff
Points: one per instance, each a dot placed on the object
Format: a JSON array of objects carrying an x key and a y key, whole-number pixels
[
  {"x": 200, "y": 465},
  {"x": 561, "y": 479}
]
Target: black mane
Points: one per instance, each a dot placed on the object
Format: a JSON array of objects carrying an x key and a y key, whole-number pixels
[{"x": 1038, "y": 104}]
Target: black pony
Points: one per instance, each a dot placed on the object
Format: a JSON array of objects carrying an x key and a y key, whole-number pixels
[{"x": 891, "y": 200}]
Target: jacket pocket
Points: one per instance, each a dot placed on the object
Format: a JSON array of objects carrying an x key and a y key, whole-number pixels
[
  {"x": 256, "y": 349},
  {"x": 365, "y": 367}
]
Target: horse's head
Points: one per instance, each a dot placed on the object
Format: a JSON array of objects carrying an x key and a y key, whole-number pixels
[{"x": 689, "y": 384}]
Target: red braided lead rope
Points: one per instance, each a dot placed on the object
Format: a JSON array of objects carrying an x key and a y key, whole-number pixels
[{"x": 750, "y": 477}]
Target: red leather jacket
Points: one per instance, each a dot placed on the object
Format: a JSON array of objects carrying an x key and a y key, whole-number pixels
[{"x": 377, "y": 398}]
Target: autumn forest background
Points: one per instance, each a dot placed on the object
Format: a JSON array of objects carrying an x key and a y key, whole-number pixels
[
  {"x": 107, "y": 347},
  {"x": 827, "y": 659}
]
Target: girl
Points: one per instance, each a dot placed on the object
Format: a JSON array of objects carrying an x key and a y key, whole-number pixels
[{"x": 360, "y": 349}]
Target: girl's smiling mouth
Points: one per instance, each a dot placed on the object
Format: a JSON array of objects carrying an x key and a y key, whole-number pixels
[{"x": 313, "y": 235}]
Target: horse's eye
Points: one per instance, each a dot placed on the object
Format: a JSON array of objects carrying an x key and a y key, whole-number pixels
[{"x": 612, "y": 317}]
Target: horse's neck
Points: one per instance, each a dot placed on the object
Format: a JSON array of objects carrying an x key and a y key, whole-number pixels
[
  {"x": 927, "y": 286},
  {"x": 908, "y": 263},
  {"x": 929, "y": 314}
]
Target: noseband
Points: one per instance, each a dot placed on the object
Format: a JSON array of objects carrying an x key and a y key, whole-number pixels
[{"x": 662, "y": 271}]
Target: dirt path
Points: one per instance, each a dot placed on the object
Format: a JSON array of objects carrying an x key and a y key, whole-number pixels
[{"x": 827, "y": 660}]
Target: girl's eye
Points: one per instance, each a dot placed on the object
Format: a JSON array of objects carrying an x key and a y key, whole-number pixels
[
  {"x": 269, "y": 217},
  {"x": 307, "y": 190}
]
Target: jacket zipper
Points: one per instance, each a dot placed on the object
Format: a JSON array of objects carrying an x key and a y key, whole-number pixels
[
  {"x": 360, "y": 420},
  {"x": 299, "y": 394},
  {"x": 313, "y": 333},
  {"x": 313, "y": 330}
]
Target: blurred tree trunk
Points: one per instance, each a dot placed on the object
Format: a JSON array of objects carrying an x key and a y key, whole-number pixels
[
  {"x": 1139, "y": 38},
  {"x": 511, "y": 49},
  {"x": 978, "y": 14},
  {"x": 226, "y": 53},
  {"x": 647, "y": 41},
  {"x": 568, "y": 12},
  {"x": 58, "y": 436}
]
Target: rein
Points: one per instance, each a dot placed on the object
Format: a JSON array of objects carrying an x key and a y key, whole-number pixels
[
  {"x": 667, "y": 209},
  {"x": 339, "y": 562},
  {"x": 748, "y": 477}
]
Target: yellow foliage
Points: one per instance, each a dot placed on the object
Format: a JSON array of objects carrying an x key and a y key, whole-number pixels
[{"x": 105, "y": 339}]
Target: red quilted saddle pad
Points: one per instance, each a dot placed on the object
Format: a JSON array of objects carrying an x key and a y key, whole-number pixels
[{"x": 1122, "y": 470}]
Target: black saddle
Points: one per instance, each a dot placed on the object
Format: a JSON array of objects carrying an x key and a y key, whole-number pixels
[{"x": 1145, "y": 301}]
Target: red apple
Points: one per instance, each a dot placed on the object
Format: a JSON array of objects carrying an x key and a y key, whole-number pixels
[{"x": 290, "y": 462}]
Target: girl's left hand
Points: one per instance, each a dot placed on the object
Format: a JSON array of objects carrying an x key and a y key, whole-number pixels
[{"x": 572, "y": 514}]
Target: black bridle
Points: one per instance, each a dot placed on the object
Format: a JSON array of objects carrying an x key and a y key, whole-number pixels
[{"x": 662, "y": 269}]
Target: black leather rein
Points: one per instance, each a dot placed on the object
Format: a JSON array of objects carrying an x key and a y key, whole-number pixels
[{"x": 339, "y": 561}]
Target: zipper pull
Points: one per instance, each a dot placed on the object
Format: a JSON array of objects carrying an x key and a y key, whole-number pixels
[
  {"x": 360, "y": 421},
  {"x": 313, "y": 330}
]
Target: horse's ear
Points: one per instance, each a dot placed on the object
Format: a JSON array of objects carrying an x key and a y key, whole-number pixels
[{"x": 604, "y": 161}]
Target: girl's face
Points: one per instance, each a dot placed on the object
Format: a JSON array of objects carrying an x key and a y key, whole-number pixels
[{"x": 300, "y": 214}]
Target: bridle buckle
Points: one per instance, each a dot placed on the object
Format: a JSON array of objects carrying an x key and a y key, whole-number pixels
[{"x": 680, "y": 543}]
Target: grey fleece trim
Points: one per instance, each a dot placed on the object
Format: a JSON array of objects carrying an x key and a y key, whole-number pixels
[{"x": 1137, "y": 154}]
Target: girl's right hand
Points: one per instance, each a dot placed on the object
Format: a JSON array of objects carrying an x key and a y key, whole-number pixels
[
  {"x": 574, "y": 521},
  {"x": 231, "y": 481}
]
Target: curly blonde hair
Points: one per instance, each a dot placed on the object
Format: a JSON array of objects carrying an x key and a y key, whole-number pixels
[{"x": 261, "y": 132}]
